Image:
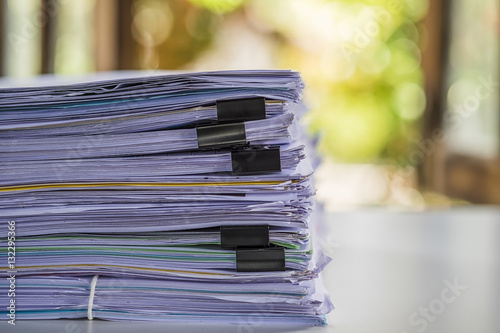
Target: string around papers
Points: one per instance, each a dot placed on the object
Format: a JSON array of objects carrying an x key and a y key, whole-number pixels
[{"x": 91, "y": 297}]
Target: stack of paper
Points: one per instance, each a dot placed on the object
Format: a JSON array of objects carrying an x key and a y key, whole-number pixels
[{"x": 168, "y": 198}]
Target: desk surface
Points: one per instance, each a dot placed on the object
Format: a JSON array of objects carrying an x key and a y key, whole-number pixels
[{"x": 437, "y": 271}]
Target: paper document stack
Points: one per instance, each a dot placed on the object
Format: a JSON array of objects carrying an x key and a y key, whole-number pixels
[{"x": 180, "y": 197}]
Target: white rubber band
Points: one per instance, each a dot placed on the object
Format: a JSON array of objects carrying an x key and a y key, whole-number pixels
[{"x": 91, "y": 297}]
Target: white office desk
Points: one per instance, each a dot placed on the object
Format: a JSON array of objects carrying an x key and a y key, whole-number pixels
[{"x": 387, "y": 266}]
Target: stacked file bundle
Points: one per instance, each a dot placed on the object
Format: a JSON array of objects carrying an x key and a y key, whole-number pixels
[{"x": 183, "y": 197}]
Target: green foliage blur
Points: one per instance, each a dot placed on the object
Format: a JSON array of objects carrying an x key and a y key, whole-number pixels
[{"x": 360, "y": 60}]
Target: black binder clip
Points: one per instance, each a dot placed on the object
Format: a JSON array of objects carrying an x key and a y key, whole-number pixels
[
  {"x": 243, "y": 109},
  {"x": 256, "y": 160},
  {"x": 260, "y": 260},
  {"x": 244, "y": 236},
  {"x": 223, "y": 135}
]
